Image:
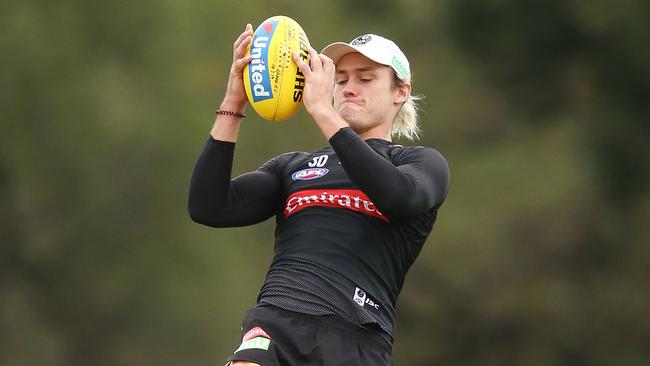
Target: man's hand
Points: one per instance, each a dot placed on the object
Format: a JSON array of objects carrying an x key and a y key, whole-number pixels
[
  {"x": 226, "y": 128},
  {"x": 319, "y": 76},
  {"x": 236, "y": 93},
  {"x": 318, "y": 93}
]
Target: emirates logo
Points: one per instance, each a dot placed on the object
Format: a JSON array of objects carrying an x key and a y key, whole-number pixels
[{"x": 351, "y": 199}]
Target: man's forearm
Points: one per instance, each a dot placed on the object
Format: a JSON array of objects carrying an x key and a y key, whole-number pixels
[{"x": 226, "y": 127}]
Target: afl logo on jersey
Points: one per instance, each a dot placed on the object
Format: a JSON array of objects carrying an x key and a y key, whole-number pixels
[{"x": 309, "y": 173}]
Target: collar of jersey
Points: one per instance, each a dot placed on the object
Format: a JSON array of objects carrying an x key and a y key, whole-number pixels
[{"x": 379, "y": 141}]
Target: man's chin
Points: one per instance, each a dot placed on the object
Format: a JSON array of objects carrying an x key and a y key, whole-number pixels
[{"x": 349, "y": 115}]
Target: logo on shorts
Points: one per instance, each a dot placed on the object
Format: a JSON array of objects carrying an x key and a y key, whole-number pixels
[
  {"x": 309, "y": 173},
  {"x": 255, "y": 338},
  {"x": 361, "y": 298}
]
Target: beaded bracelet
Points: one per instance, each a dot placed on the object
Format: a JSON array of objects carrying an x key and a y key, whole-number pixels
[{"x": 231, "y": 113}]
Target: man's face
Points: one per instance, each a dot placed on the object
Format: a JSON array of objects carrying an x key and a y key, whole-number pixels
[{"x": 364, "y": 94}]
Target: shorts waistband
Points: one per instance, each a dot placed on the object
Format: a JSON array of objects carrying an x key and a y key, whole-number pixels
[{"x": 368, "y": 333}]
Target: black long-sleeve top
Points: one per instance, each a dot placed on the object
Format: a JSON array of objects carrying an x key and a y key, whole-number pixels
[{"x": 351, "y": 219}]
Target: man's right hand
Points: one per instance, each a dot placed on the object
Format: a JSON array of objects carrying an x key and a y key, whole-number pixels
[
  {"x": 226, "y": 127},
  {"x": 235, "y": 93}
]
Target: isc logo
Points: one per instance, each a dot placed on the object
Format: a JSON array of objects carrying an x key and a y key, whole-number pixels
[
  {"x": 362, "y": 299},
  {"x": 257, "y": 70}
]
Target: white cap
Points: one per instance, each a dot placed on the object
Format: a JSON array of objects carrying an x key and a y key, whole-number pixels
[{"x": 376, "y": 48}]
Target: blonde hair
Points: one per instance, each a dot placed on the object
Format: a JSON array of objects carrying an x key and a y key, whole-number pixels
[{"x": 405, "y": 123}]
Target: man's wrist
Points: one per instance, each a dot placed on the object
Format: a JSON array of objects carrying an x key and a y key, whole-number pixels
[
  {"x": 325, "y": 113},
  {"x": 328, "y": 120},
  {"x": 233, "y": 106}
]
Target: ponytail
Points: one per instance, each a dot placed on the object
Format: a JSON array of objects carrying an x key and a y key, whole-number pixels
[{"x": 405, "y": 123}]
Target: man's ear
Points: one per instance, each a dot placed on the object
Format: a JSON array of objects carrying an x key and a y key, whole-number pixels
[{"x": 403, "y": 92}]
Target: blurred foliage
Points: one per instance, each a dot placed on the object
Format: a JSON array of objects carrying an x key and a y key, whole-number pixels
[{"x": 540, "y": 254}]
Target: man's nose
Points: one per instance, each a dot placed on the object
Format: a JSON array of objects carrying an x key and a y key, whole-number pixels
[{"x": 350, "y": 89}]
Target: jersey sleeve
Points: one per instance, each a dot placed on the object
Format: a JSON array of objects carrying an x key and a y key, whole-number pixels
[
  {"x": 417, "y": 182},
  {"x": 217, "y": 200}
]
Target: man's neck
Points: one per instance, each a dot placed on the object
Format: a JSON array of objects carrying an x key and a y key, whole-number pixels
[{"x": 379, "y": 132}]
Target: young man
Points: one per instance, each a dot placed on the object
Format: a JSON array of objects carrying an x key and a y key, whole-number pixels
[{"x": 351, "y": 217}]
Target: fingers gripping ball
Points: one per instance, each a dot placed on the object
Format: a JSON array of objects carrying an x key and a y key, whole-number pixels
[{"x": 274, "y": 84}]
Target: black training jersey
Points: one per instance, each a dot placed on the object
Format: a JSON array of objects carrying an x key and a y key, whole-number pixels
[{"x": 351, "y": 219}]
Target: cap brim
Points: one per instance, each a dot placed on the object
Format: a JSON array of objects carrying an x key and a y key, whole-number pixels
[{"x": 337, "y": 50}]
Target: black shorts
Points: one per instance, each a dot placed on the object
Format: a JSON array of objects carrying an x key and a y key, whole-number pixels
[{"x": 275, "y": 337}]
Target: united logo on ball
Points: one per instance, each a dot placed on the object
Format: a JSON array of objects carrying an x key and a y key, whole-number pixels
[{"x": 274, "y": 84}]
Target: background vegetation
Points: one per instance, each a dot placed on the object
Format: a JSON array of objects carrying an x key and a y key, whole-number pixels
[{"x": 540, "y": 255}]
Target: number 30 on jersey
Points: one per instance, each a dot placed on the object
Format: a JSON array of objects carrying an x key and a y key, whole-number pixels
[{"x": 318, "y": 161}]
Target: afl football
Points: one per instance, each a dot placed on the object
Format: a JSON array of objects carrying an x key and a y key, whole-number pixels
[{"x": 274, "y": 84}]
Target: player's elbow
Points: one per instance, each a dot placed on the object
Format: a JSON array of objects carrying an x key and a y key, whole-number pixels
[{"x": 199, "y": 213}]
